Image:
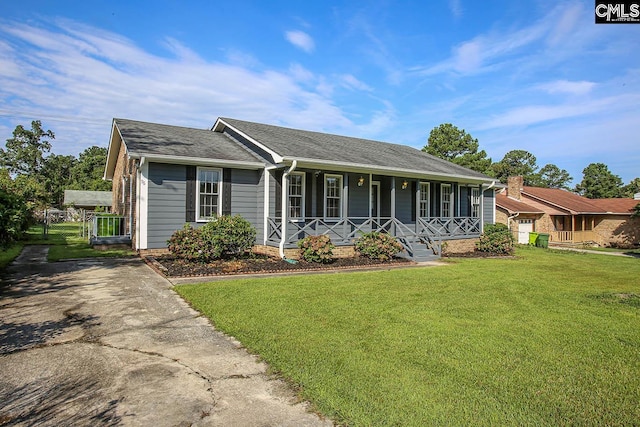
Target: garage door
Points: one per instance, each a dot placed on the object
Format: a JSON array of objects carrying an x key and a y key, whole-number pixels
[{"x": 525, "y": 226}]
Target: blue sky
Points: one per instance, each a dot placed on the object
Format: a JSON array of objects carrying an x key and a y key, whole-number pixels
[{"x": 533, "y": 75}]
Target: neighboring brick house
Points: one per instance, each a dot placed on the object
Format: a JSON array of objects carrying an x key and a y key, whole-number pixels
[{"x": 566, "y": 216}]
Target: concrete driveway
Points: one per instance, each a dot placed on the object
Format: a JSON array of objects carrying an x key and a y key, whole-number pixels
[{"x": 107, "y": 342}]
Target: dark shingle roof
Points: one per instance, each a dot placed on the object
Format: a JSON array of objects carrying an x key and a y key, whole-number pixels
[
  {"x": 301, "y": 144},
  {"x": 146, "y": 139},
  {"x": 82, "y": 198}
]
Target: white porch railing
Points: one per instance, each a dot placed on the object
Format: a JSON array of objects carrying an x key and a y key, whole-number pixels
[
  {"x": 110, "y": 228},
  {"x": 425, "y": 231}
]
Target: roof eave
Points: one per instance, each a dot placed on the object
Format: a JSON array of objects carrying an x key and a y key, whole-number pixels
[
  {"x": 197, "y": 161},
  {"x": 112, "y": 152},
  {"x": 365, "y": 168}
]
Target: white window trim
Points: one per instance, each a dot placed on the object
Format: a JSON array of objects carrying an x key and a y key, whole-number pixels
[
  {"x": 479, "y": 204},
  {"x": 302, "y": 205},
  {"x": 428, "y": 185},
  {"x": 326, "y": 178},
  {"x": 451, "y": 199},
  {"x": 198, "y": 218}
]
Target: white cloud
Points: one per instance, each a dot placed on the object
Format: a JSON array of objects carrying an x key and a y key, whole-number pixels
[
  {"x": 456, "y": 9},
  {"x": 77, "y": 78},
  {"x": 301, "y": 40},
  {"x": 565, "y": 86},
  {"x": 533, "y": 114},
  {"x": 350, "y": 82}
]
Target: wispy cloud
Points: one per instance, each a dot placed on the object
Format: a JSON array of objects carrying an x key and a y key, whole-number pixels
[
  {"x": 455, "y": 6},
  {"x": 301, "y": 40},
  {"x": 80, "y": 77},
  {"x": 565, "y": 86}
]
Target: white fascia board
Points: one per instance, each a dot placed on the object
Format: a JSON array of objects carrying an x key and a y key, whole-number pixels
[
  {"x": 398, "y": 172},
  {"x": 219, "y": 126},
  {"x": 197, "y": 161},
  {"x": 113, "y": 151}
]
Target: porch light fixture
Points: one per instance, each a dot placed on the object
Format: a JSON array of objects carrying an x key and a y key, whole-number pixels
[
  {"x": 360, "y": 181},
  {"x": 404, "y": 184}
]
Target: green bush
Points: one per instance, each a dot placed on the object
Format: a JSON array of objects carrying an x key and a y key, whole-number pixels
[
  {"x": 229, "y": 235},
  {"x": 15, "y": 217},
  {"x": 188, "y": 243},
  {"x": 496, "y": 239},
  {"x": 224, "y": 236},
  {"x": 316, "y": 248},
  {"x": 376, "y": 245}
]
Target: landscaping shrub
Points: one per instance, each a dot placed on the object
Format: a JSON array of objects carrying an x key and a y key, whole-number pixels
[
  {"x": 316, "y": 248},
  {"x": 15, "y": 217},
  {"x": 496, "y": 239},
  {"x": 226, "y": 235},
  {"x": 229, "y": 235},
  {"x": 376, "y": 245},
  {"x": 188, "y": 243}
]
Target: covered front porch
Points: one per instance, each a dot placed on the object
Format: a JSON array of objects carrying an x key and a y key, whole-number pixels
[
  {"x": 421, "y": 213},
  {"x": 573, "y": 229}
]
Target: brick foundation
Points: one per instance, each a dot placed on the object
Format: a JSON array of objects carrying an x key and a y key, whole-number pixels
[
  {"x": 272, "y": 251},
  {"x": 458, "y": 246}
]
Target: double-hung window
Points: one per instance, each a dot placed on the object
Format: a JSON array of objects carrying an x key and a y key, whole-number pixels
[
  {"x": 296, "y": 195},
  {"x": 475, "y": 202},
  {"x": 424, "y": 200},
  {"x": 209, "y": 189},
  {"x": 446, "y": 201},
  {"x": 333, "y": 196}
]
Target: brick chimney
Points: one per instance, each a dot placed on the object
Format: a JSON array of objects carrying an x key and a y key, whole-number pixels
[{"x": 514, "y": 186}]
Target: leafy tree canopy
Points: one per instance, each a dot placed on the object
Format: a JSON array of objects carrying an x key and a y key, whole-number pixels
[
  {"x": 515, "y": 163},
  {"x": 632, "y": 188},
  {"x": 89, "y": 169},
  {"x": 25, "y": 151},
  {"x": 599, "y": 183},
  {"x": 551, "y": 176},
  {"x": 450, "y": 143}
]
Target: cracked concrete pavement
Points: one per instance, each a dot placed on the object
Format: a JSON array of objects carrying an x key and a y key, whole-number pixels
[{"x": 107, "y": 341}]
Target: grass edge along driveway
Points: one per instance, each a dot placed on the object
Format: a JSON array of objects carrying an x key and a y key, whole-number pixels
[{"x": 548, "y": 338}]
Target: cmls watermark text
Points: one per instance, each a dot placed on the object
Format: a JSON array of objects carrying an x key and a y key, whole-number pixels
[{"x": 623, "y": 12}]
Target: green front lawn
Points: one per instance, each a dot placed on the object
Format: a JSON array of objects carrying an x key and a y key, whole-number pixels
[
  {"x": 550, "y": 338},
  {"x": 8, "y": 254}
]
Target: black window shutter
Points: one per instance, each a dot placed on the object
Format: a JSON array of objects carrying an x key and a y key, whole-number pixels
[
  {"x": 414, "y": 188},
  {"x": 308, "y": 196},
  {"x": 278, "y": 178},
  {"x": 320, "y": 194},
  {"x": 226, "y": 192},
  {"x": 190, "y": 207}
]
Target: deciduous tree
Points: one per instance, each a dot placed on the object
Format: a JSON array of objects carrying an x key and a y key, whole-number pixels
[{"x": 26, "y": 151}]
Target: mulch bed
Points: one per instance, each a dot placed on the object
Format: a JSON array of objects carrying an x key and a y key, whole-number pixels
[{"x": 174, "y": 267}]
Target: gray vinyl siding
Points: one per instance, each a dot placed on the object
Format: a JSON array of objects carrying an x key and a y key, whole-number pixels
[
  {"x": 488, "y": 207},
  {"x": 244, "y": 200},
  {"x": 404, "y": 202},
  {"x": 358, "y": 197},
  {"x": 166, "y": 201},
  {"x": 464, "y": 207},
  {"x": 259, "y": 198}
]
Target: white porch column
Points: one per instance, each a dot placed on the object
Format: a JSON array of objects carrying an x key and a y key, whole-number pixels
[{"x": 393, "y": 197}]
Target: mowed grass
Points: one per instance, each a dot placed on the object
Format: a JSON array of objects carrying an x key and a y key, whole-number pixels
[
  {"x": 67, "y": 242},
  {"x": 549, "y": 338}
]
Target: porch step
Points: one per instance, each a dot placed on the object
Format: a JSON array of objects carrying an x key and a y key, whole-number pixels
[{"x": 423, "y": 254}]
